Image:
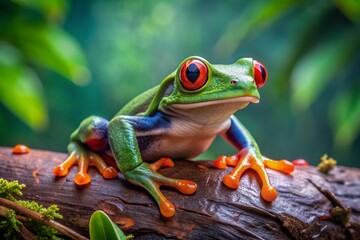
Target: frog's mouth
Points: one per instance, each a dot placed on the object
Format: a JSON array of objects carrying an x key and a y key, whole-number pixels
[{"x": 242, "y": 101}]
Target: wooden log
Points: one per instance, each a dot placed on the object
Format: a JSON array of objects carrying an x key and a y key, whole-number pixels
[{"x": 301, "y": 211}]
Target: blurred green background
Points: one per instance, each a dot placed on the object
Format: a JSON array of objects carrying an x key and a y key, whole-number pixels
[{"x": 61, "y": 61}]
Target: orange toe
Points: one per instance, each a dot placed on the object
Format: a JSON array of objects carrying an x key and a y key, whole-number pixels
[
  {"x": 110, "y": 172},
  {"x": 60, "y": 171},
  {"x": 186, "y": 186},
  {"x": 82, "y": 178},
  {"x": 167, "y": 162},
  {"x": 281, "y": 165},
  {"x": 287, "y": 167},
  {"x": 269, "y": 194},
  {"x": 231, "y": 181},
  {"x": 161, "y": 163},
  {"x": 167, "y": 209},
  {"x": 220, "y": 162}
]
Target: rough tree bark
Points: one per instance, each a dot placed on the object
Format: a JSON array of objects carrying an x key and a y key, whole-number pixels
[{"x": 301, "y": 210}]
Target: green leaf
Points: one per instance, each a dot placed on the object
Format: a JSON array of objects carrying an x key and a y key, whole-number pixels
[
  {"x": 260, "y": 14},
  {"x": 350, "y": 8},
  {"x": 300, "y": 43},
  {"x": 53, "y": 48},
  {"x": 345, "y": 117},
  {"x": 102, "y": 228},
  {"x": 20, "y": 89},
  {"x": 312, "y": 74},
  {"x": 53, "y": 10}
]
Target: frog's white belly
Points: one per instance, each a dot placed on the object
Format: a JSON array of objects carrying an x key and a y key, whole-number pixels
[
  {"x": 176, "y": 148},
  {"x": 183, "y": 140}
]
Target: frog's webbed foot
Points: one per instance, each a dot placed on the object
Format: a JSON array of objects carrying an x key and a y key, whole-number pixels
[
  {"x": 146, "y": 176},
  {"x": 244, "y": 160},
  {"x": 84, "y": 158}
]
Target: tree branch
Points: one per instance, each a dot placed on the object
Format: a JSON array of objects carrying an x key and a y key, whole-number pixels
[{"x": 301, "y": 210}]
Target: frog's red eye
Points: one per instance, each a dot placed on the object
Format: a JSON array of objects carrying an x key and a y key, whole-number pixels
[
  {"x": 193, "y": 74},
  {"x": 260, "y": 74}
]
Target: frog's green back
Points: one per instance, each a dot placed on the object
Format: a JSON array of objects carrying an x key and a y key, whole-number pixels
[
  {"x": 139, "y": 104},
  {"x": 147, "y": 102}
]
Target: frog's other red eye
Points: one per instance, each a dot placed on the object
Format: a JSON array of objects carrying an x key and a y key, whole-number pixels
[
  {"x": 193, "y": 74},
  {"x": 260, "y": 74}
]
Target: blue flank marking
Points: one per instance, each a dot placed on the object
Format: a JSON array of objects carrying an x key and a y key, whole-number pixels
[
  {"x": 144, "y": 124},
  {"x": 237, "y": 134},
  {"x": 100, "y": 128},
  {"x": 145, "y": 142}
]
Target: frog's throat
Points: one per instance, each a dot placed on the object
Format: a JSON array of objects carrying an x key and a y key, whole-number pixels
[{"x": 245, "y": 100}]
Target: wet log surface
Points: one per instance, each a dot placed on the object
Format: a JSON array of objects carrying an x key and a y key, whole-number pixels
[{"x": 301, "y": 211}]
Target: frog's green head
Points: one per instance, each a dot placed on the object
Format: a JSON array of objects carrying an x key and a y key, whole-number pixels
[{"x": 197, "y": 83}]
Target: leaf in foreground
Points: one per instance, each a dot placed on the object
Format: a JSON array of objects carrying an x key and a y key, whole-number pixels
[{"x": 102, "y": 228}]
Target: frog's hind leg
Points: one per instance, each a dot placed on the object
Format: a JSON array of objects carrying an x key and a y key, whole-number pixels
[
  {"x": 145, "y": 177},
  {"x": 184, "y": 186},
  {"x": 88, "y": 138},
  {"x": 124, "y": 145}
]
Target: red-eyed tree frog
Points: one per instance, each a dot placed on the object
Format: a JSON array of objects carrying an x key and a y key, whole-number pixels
[{"x": 178, "y": 119}]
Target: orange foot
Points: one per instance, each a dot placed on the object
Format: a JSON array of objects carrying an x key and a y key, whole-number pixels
[
  {"x": 146, "y": 175},
  {"x": 167, "y": 209},
  {"x": 246, "y": 159},
  {"x": 84, "y": 159}
]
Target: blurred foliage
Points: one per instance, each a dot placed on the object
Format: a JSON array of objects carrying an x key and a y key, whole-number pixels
[
  {"x": 315, "y": 61},
  {"x": 31, "y": 36},
  {"x": 311, "y": 102}
]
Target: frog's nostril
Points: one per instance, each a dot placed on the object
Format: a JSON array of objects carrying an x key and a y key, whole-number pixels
[{"x": 233, "y": 82}]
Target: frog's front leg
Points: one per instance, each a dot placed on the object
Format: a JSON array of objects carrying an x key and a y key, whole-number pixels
[
  {"x": 249, "y": 156},
  {"x": 123, "y": 131},
  {"x": 88, "y": 139}
]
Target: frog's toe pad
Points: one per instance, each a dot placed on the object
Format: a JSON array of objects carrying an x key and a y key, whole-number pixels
[
  {"x": 109, "y": 173},
  {"x": 231, "y": 181},
  {"x": 161, "y": 163},
  {"x": 82, "y": 178},
  {"x": 60, "y": 171},
  {"x": 186, "y": 186},
  {"x": 280, "y": 165},
  {"x": 167, "y": 162},
  {"x": 220, "y": 162},
  {"x": 269, "y": 194},
  {"x": 167, "y": 209}
]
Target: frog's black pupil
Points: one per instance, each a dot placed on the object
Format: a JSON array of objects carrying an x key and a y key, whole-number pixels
[
  {"x": 192, "y": 72},
  {"x": 263, "y": 72}
]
